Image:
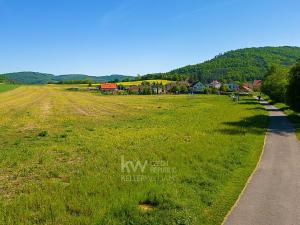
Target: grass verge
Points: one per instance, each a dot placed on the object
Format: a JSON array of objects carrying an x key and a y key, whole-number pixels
[
  {"x": 7, "y": 87},
  {"x": 293, "y": 116}
]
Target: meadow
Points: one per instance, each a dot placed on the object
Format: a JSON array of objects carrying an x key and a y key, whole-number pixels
[
  {"x": 7, "y": 87},
  {"x": 68, "y": 157}
]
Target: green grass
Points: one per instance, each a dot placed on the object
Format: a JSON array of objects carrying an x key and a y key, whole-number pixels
[
  {"x": 7, "y": 87},
  {"x": 61, "y": 153}
]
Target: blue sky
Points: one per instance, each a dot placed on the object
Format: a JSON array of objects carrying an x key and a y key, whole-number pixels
[{"x": 99, "y": 37}]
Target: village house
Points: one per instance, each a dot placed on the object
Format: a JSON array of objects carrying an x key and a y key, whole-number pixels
[
  {"x": 108, "y": 87},
  {"x": 198, "y": 87},
  {"x": 159, "y": 90},
  {"x": 232, "y": 87},
  {"x": 245, "y": 88},
  {"x": 215, "y": 84},
  {"x": 256, "y": 84}
]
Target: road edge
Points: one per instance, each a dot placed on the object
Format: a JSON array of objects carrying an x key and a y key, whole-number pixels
[{"x": 248, "y": 180}]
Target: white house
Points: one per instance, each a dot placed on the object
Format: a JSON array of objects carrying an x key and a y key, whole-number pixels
[
  {"x": 215, "y": 84},
  {"x": 198, "y": 87}
]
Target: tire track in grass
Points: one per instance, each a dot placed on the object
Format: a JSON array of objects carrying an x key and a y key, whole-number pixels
[
  {"x": 18, "y": 93},
  {"x": 23, "y": 112}
]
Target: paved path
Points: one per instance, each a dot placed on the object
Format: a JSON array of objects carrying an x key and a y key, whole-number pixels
[{"x": 272, "y": 196}]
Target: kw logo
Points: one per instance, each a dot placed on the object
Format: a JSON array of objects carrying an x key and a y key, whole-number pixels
[{"x": 130, "y": 166}]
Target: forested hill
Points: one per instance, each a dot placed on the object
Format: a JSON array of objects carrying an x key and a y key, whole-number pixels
[
  {"x": 44, "y": 78},
  {"x": 242, "y": 64}
]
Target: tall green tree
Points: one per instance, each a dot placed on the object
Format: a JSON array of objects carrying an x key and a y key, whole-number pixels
[
  {"x": 293, "y": 91},
  {"x": 275, "y": 83},
  {"x": 183, "y": 89}
]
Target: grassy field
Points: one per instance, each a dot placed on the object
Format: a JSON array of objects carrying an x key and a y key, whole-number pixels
[
  {"x": 7, "y": 87},
  {"x": 65, "y": 157}
]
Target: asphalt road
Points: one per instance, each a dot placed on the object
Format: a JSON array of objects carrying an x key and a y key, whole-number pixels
[{"x": 272, "y": 196}]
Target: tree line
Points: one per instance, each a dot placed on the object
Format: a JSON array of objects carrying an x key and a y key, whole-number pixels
[
  {"x": 283, "y": 85},
  {"x": 3, "y": 79}
]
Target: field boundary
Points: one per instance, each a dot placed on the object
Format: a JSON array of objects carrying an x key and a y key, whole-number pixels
[
  {"x": 7, "y": 87},
  {"x": 248, "y": 180}
]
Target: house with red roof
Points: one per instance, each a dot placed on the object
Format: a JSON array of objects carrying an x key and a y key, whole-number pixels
[
  {"x": 245, "y": 88},
  {"x": 250, "y": 86},
  {"x": 257, "y": 84},
  {"x": 108, "y": 87}
]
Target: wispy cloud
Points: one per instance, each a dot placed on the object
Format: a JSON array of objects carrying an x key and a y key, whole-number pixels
[{"x": 118, "y": 13}]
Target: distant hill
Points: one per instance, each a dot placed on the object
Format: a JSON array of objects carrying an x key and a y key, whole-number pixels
[
  {"x": 242, "y": 64},
  {"x": 29, "y": 77},
  {"x": 112, "y": 77},
  {"x": 44, "y": 78}
]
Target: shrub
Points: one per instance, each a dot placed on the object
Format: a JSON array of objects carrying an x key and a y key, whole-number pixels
[
  {"x": 175, "y": 89},
  {"x": 275, "y": 84},
  {"x": 293, "y": 91},
  {"x": 43, "y": 133},
  {"x": 183, "y": 89}
]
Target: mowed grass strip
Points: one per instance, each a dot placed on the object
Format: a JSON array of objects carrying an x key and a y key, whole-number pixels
[
  {"x": 7, "y": 87},
  {"x": 61, "y": 156}
]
